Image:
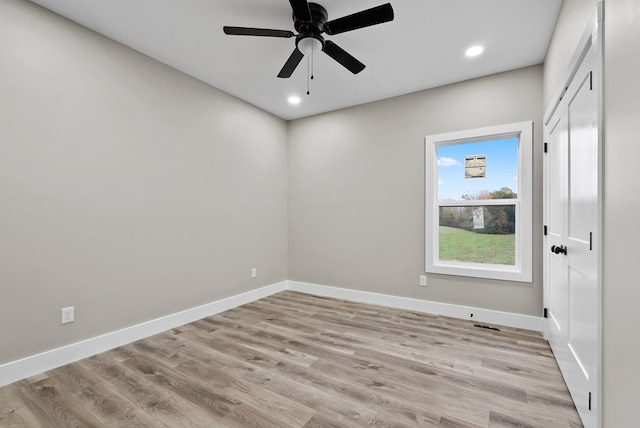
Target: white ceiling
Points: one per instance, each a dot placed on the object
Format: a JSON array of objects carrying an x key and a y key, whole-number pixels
[{"x": 423, "y": 47}]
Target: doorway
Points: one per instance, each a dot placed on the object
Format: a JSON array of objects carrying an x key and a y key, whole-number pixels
[{"x": 573, "y": 172}]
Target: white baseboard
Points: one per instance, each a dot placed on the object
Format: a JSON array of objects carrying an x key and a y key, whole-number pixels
[
  {"x": 35, "y": 364},
  {"x": 507, "y": 319}
]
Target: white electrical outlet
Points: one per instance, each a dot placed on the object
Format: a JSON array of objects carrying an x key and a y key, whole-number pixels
[
  {"x": 254, "y": 272},
  {"x": 423, "y": 280},
  {"x": 67, "y": 315}
]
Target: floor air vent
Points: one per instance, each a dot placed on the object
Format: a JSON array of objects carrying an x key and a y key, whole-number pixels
[{"x": 487, "y": 327}]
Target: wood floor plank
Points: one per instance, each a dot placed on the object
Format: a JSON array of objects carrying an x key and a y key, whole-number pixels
[
  {"x": 20, "y": 418},
  {"x": 311, "y": 397},
  {"x": 146, "y": 395},
  {"x": 200, "y": 393},
  {"x": 297, "y": 360},
  {"x": 13, "y": 411},
  {"x": 286, "y": 409},
  {"x": 346, "y": 389},
  {"x": 195, "y": 370},
  {"x": 239, "y": 351},
  {"x": 52, "y": 405},
  {"x": 113, "y": 410},
  {"x": 73, "y": 377},
  {"x": 459, "y": 422}
]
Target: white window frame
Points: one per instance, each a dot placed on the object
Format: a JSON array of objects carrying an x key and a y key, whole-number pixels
[{"x": 522, "y": 270}]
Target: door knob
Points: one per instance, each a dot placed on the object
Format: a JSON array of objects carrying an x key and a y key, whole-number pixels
[{"x": 559, "y": 249}]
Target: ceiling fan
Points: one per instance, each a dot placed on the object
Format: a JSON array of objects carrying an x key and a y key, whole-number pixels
[{"x": 310, "y": 20}]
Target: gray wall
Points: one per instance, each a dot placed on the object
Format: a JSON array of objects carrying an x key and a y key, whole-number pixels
[
  {"x": 572, "y": 22},
  {"x": 621, "y": 289},
  {"x": 356, "y": 191},
  {"x": 127, "y": 189}
]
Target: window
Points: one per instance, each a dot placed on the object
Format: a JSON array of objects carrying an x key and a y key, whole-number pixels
[{"x": 479, "y": 202}]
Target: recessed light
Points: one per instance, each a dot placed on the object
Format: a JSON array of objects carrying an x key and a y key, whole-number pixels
[
  {"x": 294, "y": 100},
  {"x": 474, "y": 51}
]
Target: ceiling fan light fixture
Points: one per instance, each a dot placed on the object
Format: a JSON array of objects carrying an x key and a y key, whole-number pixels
[
  {"x": 310, "y": 45},
  {"x": 294, "y": 100}
]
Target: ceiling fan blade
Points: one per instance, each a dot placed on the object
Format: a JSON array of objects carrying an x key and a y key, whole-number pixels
[
  {"x": 291, "y": 64},
  {"x": 301, "y": 9},
  {"x": 265, "y": 32},
  {"x": 344, "y": 58},
  {"x": 365, "y": 18}
]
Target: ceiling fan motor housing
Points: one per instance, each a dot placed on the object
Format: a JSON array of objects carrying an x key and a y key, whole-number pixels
[
  {"x": 318, "y": 17},
  {"x": 309, "y": 41}
]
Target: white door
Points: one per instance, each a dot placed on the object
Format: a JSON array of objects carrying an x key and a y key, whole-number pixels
[{"x": 571, "y": 269}]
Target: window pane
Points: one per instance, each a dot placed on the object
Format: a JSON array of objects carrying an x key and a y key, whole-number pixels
[
  {"x": 481, "y": 234},
  {"x": 478, "y": 170},
  {"x": 476, "y": 182}
]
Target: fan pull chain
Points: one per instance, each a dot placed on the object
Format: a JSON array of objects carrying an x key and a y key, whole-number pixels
[
  {"x": 309, "y": 70},
  {"x": 312, "y": 55},
  {"x": 308, "y": 74}
]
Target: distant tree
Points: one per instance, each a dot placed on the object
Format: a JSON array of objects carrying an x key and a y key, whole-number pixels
[
  {"x": 502, "y": 219},
  {"x": 503, "y": 193},
  {"x": 498, "y": 220}
]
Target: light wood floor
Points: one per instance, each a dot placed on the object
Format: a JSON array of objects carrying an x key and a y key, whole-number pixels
[{"x": 295, "y": 360}]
